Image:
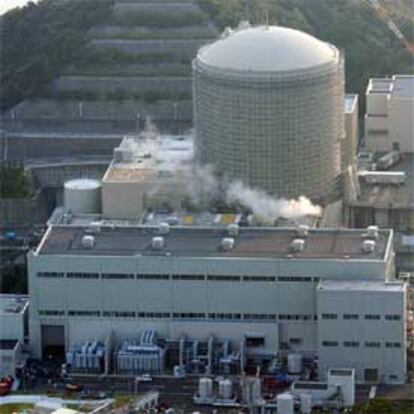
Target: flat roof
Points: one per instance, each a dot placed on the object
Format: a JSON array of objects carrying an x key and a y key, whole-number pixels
[
  {"x": 148, "y": 156},
  {"x": 251, "y": 242},
  {"x": 360, "y": 285},
  {"x": 390, "y": 196},
  {"x": 8, "y": 344},
  {"x": 403, "y": 86},
  {"x": 10, "y": 303}
]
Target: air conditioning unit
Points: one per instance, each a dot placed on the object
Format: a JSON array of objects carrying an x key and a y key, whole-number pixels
[
  {"x": 233, "y": 230},
  {"x": 302, "y": 230}
]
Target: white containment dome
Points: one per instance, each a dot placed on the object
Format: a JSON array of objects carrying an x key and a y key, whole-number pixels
[
  {"x": 268, "y": 110},
  {"x": 83, "y": 196}
]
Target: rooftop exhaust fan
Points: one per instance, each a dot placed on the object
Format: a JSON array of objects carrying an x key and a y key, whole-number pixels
[
  {"x": 157, "y": 243},
  {"x": 368, "y": 246},
  {"x": 297, "y": 245},
  {"x": 227, "y": 244},
  {"x": 88, "y": 242}
]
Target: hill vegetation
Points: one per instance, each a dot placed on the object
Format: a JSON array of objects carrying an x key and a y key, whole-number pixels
[{"x": 40, "y": 40}]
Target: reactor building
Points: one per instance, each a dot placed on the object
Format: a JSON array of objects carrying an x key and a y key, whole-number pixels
[{"x": 268, "y": 110}]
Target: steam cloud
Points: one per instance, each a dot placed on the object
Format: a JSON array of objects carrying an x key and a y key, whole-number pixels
[
  {"x": 268, "y": 209},
  {"x": 202, "y": 186}
]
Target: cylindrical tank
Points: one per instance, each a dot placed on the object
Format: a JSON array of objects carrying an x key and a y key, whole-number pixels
[
  {"x": 285, "y": 404},
  {"x": 225, "y": 389},
  {"x": 294, "y": 363},
  {"x": 83, "y": 196},
  {"x": 306, "y": 403},
  {"x": 269, "y": 111},
  {"x": 205, "y": 388}
]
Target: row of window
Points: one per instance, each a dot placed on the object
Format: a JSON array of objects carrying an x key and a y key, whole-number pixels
[
  {"x": 181, "y": 315},
  {"x": 356, "y": 344},
  {"x": 221, "y": 278},
  {"x": 353, "y": 316}
]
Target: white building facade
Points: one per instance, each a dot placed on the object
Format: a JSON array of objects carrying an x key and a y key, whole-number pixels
[
  {"x": 194, "y": 286},
  {"x": 389, "y": 118}
]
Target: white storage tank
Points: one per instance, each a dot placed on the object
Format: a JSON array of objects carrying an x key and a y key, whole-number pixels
[
  {"x": 285, "y": 404},
  {"x": 306, "y": 403},
  {"x": 83, "y": 196},
  {"x": 225, "y": 389},
  {"x": 256, "y": 390},
  {"x": 205, "y": 388},
  {"x": 295, "y": 363}
]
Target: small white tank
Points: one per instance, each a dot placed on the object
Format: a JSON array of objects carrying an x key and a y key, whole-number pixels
[
  {"x": 205, "y": 388},
  {"x": 83, "y": 196},
  {"x": 88, "y": 242},
  {"x": 285, "y": 404},
  {"x": 225, "y": 389},
  {"x": 294, "y": 363},
  {"x": 305, "y": 403}
]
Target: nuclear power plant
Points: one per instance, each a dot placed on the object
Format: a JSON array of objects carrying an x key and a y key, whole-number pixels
[
  {"x": 135, "y": 275},
  {"x": 268, "y": 110}
]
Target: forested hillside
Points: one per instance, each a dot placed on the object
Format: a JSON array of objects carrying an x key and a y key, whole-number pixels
[{"x": 39, "y": 40}]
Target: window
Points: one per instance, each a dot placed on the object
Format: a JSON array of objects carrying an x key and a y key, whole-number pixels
[
  {"x": 50, "y": 274},
  {"x": 351, "y": 344},
  {"x": 393, "y": 344},
  {"x": 117, "y": 275},
  {"x": 295, "y": 341},
  {"x": 373, "y": 344},
  {"x": 224, "y": 278},
  {"x": 255, "y": 342},
  {"x": 329, "y": 316},
  {"x": 351, "y": 316},
  {"x": 6, "y": 359},
  {"x": 259, "y": 316},
  {"x": 259, "y": 279},
  {"x": 84, "y": 313},
  {"x": 119, "y": 314},
  {"x": 83, "y": 275},
  {"x": 153, "y": 277},
  {"x": 329, "y": 343},
  {"x": 373, "y": 317},
  {"x": 154, "y": 315},
  {"x": 392, "y": 317},
  {"x": 294, "y": 279},
  {"x": 188, "y": 277},
  {"x": 47, "y": 312}
]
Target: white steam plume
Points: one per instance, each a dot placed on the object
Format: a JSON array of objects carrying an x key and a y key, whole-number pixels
[{"x": 268, "y": 209}]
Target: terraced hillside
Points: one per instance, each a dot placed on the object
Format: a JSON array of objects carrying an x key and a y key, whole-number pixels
[{"x": 137, "y": 64}]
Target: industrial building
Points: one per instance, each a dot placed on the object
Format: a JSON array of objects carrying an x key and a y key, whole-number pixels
[
  {"x": 271, "y": 116},
  {"x": 14, "y": 321},
  {"x": 198, "y": 283},
  {"x": 389, "y": 123},
  {"x": 383, "y": 192}
]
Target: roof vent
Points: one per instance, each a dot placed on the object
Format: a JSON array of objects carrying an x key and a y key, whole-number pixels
[
  {"x": 368, "y": 246},
  {"x": 88, "y": 242},
  {"x": 302, "y": 230},
  {"x": 372, "y": 232},
  {"x": 157, "y": 243},
  {"x": 164, "y": 228},
  {"x": 227, "y": 244},
  {"x": 233, "y": 230},
  {"x": 297, "y": 245}
]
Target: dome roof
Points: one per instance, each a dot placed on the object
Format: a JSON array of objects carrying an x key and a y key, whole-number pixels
[{"x": 267, "y": 48}]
